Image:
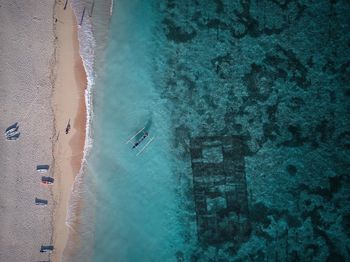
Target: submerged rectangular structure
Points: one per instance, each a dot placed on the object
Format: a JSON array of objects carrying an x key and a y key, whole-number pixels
[{"x": 220, "y": 188}]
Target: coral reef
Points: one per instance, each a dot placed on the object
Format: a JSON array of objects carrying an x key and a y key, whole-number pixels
[{"x": 276, "y": 73}]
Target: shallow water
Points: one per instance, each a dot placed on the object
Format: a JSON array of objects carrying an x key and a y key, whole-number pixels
[
  {"x": 248, "y": 102},
  {"x": 135, "y": 194}
]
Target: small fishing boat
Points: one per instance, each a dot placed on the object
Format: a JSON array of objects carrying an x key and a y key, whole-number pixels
[
  {"x": 131, "y": 138},
  {"x": 138, "y": 138}
]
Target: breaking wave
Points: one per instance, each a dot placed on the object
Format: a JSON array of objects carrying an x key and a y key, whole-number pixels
[{"x": 87, "y": 50}]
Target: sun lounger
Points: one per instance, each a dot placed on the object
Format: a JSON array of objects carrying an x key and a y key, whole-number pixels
[
  {"x": 42, "y": 168},
  {"x": 13, "y": 136},
  {"x": 47, "y": 180},
  {"x": 11, "y": 131},
  {"x": 11, "y": 127},
  {"x": 46, "y": 249},
  {"x": 40, "y": 202}
]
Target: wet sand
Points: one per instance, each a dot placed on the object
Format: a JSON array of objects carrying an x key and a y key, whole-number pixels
[{"x": 69, "y": 106}]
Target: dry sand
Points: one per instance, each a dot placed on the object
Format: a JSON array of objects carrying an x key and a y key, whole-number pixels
[
  {"x": 26, "y": 57},
  {"x": 69, "y": 105}
]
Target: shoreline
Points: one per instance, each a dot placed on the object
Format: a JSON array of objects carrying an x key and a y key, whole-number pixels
[{"x": 69, "y": 107}]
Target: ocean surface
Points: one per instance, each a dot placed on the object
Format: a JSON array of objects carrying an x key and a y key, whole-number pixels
[{"x": 246, "y": 105}]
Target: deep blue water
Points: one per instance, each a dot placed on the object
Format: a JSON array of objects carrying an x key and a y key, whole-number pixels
[{"x": 248, "y": 104}]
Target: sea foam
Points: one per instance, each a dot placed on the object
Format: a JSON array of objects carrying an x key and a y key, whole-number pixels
[
  {"x": 87, "y": 45},
  {"x": 87, "y": 53}
]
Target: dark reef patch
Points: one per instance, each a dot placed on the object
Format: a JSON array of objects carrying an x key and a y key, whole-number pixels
[
  {"x": 335, "y": 257},
  {"x": 177, "y": 33},
  {"x": 258, "y": 82},
  {"x": 292, "y": 170},
  {"x": 296, "y": 103},
  {"x": 246, "y": 23},
  {"x": 335, "y": 183},
  {"x": 285, "y": 60},
  {"x": 277, "y": 73},
  {"x": 297, "y": 137},
  {"x": 324, "y": 130},
  {"x": 326, "y": 193},
  {"x": 343, "y": 140},
  {"x": 345, "y": 72}
]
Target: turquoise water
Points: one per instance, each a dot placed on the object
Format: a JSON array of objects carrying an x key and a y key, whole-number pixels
[
  {"x": 248, "y": 103},
  {"x": 137, "y": 204}
]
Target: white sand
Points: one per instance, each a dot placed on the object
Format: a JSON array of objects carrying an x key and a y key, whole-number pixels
[{"x": 26, "y": 54}]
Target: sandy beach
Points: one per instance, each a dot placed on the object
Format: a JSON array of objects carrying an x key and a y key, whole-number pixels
[
  {"x": 69, "y": 108},
  {"x": 26, "y": 56},
  {"x": 42, "y": 88}
]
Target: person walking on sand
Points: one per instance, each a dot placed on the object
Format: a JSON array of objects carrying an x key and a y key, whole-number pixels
[{"x": 68, "y": 127}]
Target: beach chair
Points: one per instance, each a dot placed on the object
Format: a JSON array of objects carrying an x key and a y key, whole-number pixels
[
  {"x": 42, "y": 168},
  {"x": 40, "y": 202},
  {"x": 46, "y": 249},
  {"x": 11, "y": 128},
  {"x": 47, "y": 180},
  {"x": 12, "y": 131},
  {"x": 13, "y": 136}
]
